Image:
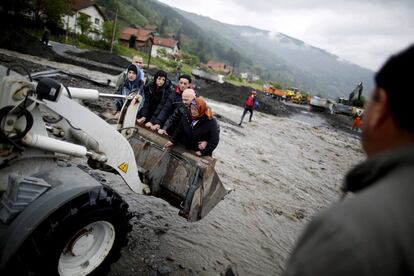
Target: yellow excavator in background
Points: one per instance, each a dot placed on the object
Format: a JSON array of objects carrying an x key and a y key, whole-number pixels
[{"x": 295, "y": 96}]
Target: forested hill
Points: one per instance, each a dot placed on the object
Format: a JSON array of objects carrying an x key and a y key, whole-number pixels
[{"x": 273, "y": 56}]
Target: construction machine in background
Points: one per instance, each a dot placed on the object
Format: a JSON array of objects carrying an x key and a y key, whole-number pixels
[
  {"x": 294, "y": 95},
  {"x": 318, "y": 104},
  {"x": 277, "y": 93},
  {"x": 58, "y": 216},
  {"x": 352, "y": 105},
  {"x": 343, "y": 106}
]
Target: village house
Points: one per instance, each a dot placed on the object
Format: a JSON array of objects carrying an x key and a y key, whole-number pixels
[
  {"x": 146, "y": 38},
  {"x": 92, "y": 11},
  {"x": 244, "y": 75},
  {"x": 136, "y": 37},
  {"x": 219, "y": 67},
  {"x": 170, "y": 46}
]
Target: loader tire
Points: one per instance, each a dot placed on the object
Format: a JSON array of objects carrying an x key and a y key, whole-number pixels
[{"x": 83, "y": 237}]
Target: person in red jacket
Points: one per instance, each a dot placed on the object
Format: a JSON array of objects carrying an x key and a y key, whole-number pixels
[{"x": 250, "y": 104}]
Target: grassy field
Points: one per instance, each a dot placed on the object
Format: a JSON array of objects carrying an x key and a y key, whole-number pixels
[{"x": 238, "y": 82}]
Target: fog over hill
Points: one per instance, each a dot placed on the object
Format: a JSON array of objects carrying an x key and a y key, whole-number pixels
[{"x": 288, "y": 60}]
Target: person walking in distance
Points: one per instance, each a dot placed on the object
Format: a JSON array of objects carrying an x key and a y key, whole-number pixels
[{"x": 249, "y": 105}]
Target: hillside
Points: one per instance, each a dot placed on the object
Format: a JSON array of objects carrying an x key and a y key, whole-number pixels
[
  {"x": 288, "y": 60},
  {"x": 273, "y": 56}
]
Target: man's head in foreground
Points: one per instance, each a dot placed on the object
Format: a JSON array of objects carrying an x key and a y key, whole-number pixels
[{"x": 388, "y": 121}]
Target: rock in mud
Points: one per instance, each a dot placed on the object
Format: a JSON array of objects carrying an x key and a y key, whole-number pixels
[{"x": 231, "y": 270}]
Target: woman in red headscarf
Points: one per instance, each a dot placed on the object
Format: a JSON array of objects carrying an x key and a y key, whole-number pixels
[{"x": 198, "y": 131}]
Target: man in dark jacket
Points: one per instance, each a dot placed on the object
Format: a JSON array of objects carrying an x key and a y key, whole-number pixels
[
  {"x": 156, "y": 94},
  {"x": 168, "y": 108},
  {"x": 180, "y": 109},
  {"x": 372, "y": 232}
]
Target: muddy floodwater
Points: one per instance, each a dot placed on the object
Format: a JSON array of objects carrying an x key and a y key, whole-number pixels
[{"x": 280, "y": 171}]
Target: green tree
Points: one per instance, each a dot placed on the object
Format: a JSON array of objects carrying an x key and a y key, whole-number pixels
[
  {"x": 52, "y": 10},
  {"x": 201, "y": 51},
  {"x": 233, "y": 56},
  {"x": 84, "y": 23},
  {"x": 109, "y": 4},
  {"x": 178, "y": 34},
  {"x": 107, "y": 31},
  {"x": 163, "y": 26},
  {"x": 190, "y": 59}
]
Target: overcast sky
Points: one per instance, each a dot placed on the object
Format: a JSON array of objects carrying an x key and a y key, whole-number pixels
[{"x": 365, "y": 32}]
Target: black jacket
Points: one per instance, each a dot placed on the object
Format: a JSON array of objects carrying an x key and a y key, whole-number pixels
[
  {"x": 168, "y": 108},
  {"x": 174, "y": 120},
  {"x": 370, "y": 233},
  {"x": 203, "y": 130},
  {"x": 155, "y": 100}
]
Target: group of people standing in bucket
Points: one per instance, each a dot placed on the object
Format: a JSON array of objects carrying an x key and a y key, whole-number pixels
[{"x": 173, "y": 111}]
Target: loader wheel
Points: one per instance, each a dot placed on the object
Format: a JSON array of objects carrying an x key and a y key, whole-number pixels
[{"x": 83, "y": 237}]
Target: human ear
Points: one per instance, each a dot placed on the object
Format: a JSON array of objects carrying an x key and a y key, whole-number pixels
[{"x": 380, "y": 108}]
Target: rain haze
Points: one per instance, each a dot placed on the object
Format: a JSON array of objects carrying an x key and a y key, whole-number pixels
[{"x": 363, "y": 32}]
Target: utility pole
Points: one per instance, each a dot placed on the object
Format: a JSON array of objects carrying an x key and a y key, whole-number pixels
[
  {"x": 67, "y": 29},
  {"x": 76, "y": 26},
  {"x": 113, "y": 30},
  {"x": 150, "y": 50}
]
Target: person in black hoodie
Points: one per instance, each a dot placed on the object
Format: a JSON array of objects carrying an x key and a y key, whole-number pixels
[
  {"x": 199, "y": 131},
  {"x": 169, "y": 106},
  {"x": 156, "y": 95}
]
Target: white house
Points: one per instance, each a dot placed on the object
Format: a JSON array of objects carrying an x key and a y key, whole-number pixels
[
  {"x": 170, "y": 46},
  {"x": 90, "y": 9},
  {"x": 244, "y": 75}
]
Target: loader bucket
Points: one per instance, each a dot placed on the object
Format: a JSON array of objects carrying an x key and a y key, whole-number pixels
[{"x": 186, "y": 181}]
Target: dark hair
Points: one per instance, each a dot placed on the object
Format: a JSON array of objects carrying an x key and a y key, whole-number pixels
[
  {"x": 396, "y": 77},
  {"x": 185, "y": 76},
  {"x": 159, "y": 73}
]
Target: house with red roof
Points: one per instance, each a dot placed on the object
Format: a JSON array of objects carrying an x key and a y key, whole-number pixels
[
  {"x": 144, "y": 38},
  {"x": 219, "y": 67},
  {"x": 92, "y": 11},
  {"x": 170, "y": 46}
]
